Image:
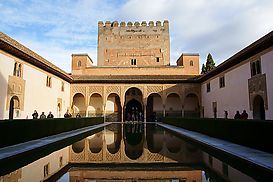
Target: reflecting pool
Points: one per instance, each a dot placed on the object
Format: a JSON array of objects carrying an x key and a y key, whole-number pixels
[{"x": 129, "y": 152}]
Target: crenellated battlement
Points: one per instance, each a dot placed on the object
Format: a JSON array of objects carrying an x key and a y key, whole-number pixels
[
  {"x": 130, "y": 24},
  {"x": 133, "y": 43}
]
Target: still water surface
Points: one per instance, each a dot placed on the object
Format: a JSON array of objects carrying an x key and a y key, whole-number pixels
[{"x": 129, "y": 152}]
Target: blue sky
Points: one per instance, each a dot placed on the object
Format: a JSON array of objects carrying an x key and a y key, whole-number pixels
[{"x": 57, "y": 28}]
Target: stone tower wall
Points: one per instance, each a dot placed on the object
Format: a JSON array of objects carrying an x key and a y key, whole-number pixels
[{"x": 133, "y": 44}]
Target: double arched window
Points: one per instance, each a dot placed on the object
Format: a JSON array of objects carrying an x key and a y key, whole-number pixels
[{"x": 17, "y": 70}]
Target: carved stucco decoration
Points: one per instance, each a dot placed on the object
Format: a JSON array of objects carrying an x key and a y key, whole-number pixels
[
  {"x": 96, "y": 89},
  {"x": 112, "y": 89},
  {"x": 78, "y": 89},
  {"x": 113, "y": 157},
  {"x": 77, "y": 156},
  {"x": 257, "y": 86},
  {"x": 154, "y": 89},
  {"x": 95, "y": 156},
  {"x": 16, "y": 87}
]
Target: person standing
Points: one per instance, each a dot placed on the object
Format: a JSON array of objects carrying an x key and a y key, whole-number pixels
[
  {"x": 50, "y": 115},
  {"x": 244, "y": 115},
  {"x": 226, "y": 114},
  {"x": 237, "y": 115},
  {"x": 67, "y": 115},
  {"x": 43, "y": 116},
  {"x": 35, "y": 115}
]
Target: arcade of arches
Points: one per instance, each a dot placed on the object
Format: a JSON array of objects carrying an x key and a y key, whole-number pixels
[{"x": 141, "y": 102}]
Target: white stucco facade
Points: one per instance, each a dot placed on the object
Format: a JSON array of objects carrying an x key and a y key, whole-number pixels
[
  {"x": 234, "y": 96},
  {"x": 36, "y": 95},
  {"x": 6, "y": 69},
  {"x": 267, "y": 68}
]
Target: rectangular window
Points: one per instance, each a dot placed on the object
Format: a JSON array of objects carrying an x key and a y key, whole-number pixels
[
  {"x": 208, "y": 87},
  {"x": 255, "y": 68},
  {"x": 62, "y": 88},
  {"x": 157, "y": 59},
  {"x": 48, "y": 81},
  {"x": 222, "y": 82},
  {"x": 133, "y": 61},
  {"x": 46, "y": 170}
]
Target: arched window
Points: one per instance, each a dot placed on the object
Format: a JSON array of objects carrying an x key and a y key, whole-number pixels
[
  {"x": 14, "y": 69},
  {"x": 191, "y": 63},
  {"x": 19, "y": 70},
  {"x": 79, "y": 63}
]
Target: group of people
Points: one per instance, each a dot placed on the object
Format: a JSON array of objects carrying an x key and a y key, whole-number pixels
[
  {"x": 134, "y": 116},
  {"x": 244, "y": 115},
  {"x": 35, "y": 115},
  {"x": 68, "y": 115}
]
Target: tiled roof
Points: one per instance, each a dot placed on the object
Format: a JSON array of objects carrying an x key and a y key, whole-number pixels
[{"x": 15, "y": 48}]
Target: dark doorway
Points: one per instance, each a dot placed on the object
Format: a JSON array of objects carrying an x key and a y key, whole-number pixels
[
  {"x": 13, "y": 104},
  {"x": 11, "y": 108},
  {"x": 258, "y": 108},
  {"x": 133, "y": 109}
]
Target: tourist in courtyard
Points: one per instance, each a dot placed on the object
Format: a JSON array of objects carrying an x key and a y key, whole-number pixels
[
  {"x": 50, "y": 115},
  {"x": 237, "y": 115},
  {"x": 140, "y": 116},
  {"x": 67, "y": 114},
  {"x": 35, "y": 115},
  {"x": 133, "y": 117},
  {"x": 128, "y": 116},
  {"x": 244, "y": 115},
  {"x": 226, "y": 114},
  {"x": 43, "y": 116},
  {"x": 78, "y": 115}
]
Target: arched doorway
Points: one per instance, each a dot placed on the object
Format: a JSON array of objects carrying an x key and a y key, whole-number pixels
[
  {"x": 133, "y": 110},
  {"x": 113, "y": 108},
  {"x": 154, "y": 108},
  {"x": 95, "y": 107},
  {"x": 173, "y": 105},
  {"x": 258, "y": 108},
  {"x": 79, "y": 105},
  {"x": 14, "y": 107},
  {"x": 191, "y": 106}
]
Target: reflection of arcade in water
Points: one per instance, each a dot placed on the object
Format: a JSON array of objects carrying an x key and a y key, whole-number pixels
[
  {"x": 148, "y": 149},
  {"x": 131, "y": 142}
]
